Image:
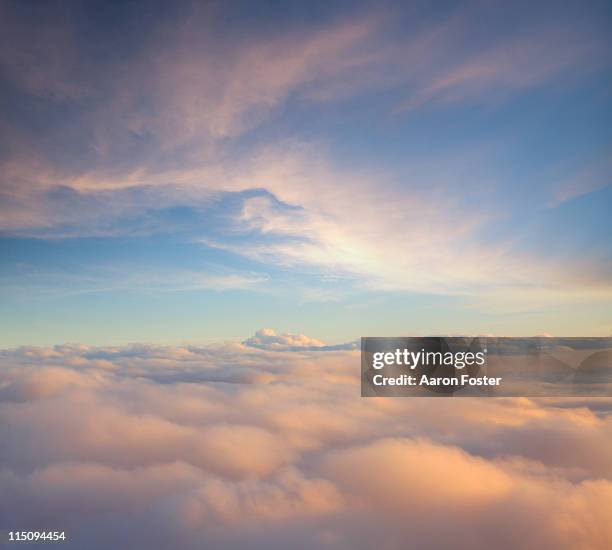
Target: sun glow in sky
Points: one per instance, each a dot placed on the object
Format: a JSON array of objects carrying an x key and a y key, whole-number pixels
[{"x": 196, "y": 171}]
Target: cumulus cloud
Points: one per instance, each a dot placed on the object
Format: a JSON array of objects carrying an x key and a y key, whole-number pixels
[
  {"x": 236, "y": 446},
  {"x": 268, "y": 339}
]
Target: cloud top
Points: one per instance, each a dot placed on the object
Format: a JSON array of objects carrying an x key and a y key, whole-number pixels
[
  {"x": 234, "y": 446},
  {"x": 268, "y": 339}
]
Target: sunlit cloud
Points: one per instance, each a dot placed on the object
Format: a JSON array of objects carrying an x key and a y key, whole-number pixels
[
  {"x": 268, "y": 339},
  {"x": 238, "y": 446}
]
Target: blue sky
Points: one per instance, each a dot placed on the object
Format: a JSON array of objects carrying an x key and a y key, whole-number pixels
[{"x": 196, "y": 172}]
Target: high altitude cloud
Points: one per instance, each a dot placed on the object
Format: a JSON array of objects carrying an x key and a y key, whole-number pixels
[
  {"x": 236, "y": 447},
  {"x": 139, "y": 120}
]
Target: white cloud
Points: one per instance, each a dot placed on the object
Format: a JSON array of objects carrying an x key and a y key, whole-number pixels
[
  {"x": 237, "y": 447},
  {"x": 268, "y": 339}
]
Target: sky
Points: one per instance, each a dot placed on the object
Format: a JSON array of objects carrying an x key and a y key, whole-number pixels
[
  {"x": 194, "y": 172},
  {"x": 203, "y": 206}
]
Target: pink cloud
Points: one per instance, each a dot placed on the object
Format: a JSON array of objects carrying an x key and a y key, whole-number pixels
[{"x": 122, "y": 454}]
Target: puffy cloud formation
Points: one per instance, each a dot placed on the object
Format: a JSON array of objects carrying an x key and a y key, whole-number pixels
[
  {"x": 267, "y": 338},
  {"x": 236, "y": 446}
]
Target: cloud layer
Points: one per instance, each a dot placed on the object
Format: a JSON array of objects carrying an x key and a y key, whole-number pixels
[{"x": 231, "y": 446}]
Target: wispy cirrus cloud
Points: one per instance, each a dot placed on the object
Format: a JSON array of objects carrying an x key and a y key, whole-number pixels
[
  {"x": 358, "y": 148},
  {"x": 293, "y": 210},
  {"x": 516, "y": 63},
  {"x": 177, "y": 93},
  {"x": 596, "y": 175}
]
